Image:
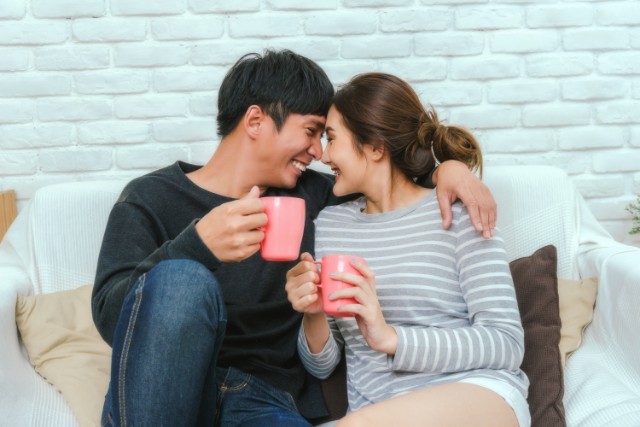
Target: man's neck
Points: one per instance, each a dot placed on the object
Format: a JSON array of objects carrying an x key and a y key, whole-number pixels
[{"x": 229, "y": 172}]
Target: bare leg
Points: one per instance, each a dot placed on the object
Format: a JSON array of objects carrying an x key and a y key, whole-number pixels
[{"x": 450, "y": 405}]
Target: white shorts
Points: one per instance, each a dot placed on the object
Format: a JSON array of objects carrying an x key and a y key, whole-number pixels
[{"x": 509, "y": 393}]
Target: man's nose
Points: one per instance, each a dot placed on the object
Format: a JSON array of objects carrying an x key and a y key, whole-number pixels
[{"x": 316, "y": 149}]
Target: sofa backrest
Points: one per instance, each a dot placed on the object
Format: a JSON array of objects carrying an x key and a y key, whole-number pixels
[
  {"x": 536, "y": 206},
  {"x": 66, "y": 225}
]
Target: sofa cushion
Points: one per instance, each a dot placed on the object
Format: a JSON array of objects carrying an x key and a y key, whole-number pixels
[
  {"x": 66, "y": 349},
  {"x": 536, "y": 286},
  {"x": 577, "y": 301}
]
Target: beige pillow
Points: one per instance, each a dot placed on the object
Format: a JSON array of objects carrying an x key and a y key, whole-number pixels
[
  {"x": 577, "y": 300},
  {"x": 65, "y": 348}
]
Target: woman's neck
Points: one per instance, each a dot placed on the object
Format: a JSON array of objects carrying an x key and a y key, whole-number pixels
[{"x": 394, "y": 192}]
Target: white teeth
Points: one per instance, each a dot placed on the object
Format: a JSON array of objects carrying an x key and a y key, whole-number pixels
[
  {"x": 299, "y": 165},
  {"x": 336, "y": 172}
]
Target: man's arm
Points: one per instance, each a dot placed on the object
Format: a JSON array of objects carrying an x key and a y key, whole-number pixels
[{"x": 454, "y": 180}]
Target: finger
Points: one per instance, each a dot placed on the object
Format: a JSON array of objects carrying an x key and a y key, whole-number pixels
[
  {"x": 363, "y": 269},
  {"x": 445, "y": 209},
  {"x": 246, "y": 206},
  {"x": 254, "y": 193}
]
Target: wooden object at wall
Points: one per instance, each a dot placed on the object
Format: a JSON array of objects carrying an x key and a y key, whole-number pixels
[{"x": 8, "y": 210}]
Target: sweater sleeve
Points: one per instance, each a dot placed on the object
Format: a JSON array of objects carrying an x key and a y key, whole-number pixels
[
  {"x": 494, "y": 338},
  {"x": 130, "y": 248},
  {"x": 322, "y": 364}
]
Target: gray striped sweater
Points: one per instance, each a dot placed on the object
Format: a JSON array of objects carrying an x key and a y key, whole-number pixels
[{"x": 448, "y": 294}]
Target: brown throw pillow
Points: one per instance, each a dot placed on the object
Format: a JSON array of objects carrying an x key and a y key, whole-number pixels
[{"x": 536, "y": 285}]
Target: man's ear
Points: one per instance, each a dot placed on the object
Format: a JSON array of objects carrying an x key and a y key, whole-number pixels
[{"x": 252, "y": 120}]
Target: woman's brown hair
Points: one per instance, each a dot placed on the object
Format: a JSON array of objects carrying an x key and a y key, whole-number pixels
[{"x": 380, "y": 108}]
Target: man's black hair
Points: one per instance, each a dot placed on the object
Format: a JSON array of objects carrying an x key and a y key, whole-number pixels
[{"x": 280, "y": 82}]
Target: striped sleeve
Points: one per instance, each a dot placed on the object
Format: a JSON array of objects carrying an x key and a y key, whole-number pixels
[
  {"x": 494, "y": 338},
  {"x": 322, "y": 364}
]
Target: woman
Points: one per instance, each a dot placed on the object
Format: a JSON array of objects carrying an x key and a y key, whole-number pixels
[{"x": 435, "y": 337}]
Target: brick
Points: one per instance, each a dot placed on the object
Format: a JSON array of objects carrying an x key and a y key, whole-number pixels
[
  {"x": 557, "y": 65},
  {"x": 416, "y": 69},
  {"x": 618, "y": 13},
  {"x": 586, "y": 138},
  {"x": 528, "y": 91},
  {"x": 265, "y": 25},
  {"x": 341, "y": 23},
  {"x": 453, "y": 44},
  {"x": 150, "y": 56},
  {"x": 555, "y": 115},
  {"x": 217, "y": 6},
  {"x": 29, "y": 84},
  {"x": 150, "y": 106},
  {"x": 340, "y": 72},
  {"x": 592, "y": 186},
  {"x": 36, "y": 135},
  {"x": 109, "y": 30},
  {"x": 12, "y": 9},
  {"x": 554, "y": 16},
  {"x": 299, "y": 5},
  {"x": 187, "y": 28},
  {"x": 523, "y": 41},
  {"x": 112, "y": 82},
  {"x": 518, "y": 141},
  {"x": 184, "y": 130},
  {"x": 204, "y": 105},
  {"x": 156, "y": 7},
  {"x": 72, "y": 58},
  {"x": 316, "y": 49},
  {"x": 488, "y": 18},
  {"x": 149, "y": 157},
  {"x": 199, "y": 153},
  {"x": 616, "y": 161},
  {"x": 485, "y": 117},
  {"x": 14, "y": 59},
  {"x": 634, "y": 36},
  {"x": 34, "y": 33},
  {"x": 415, "y": 20},
  {"x": 113, "y": 132},
  {"x": 68, "y": 8},
  {"x": 619, "y": 112},
  {"x": 188, "y": 81},
  {"x": 221, "y": 53},
  {"x": 619, "y": 63},
  {"x": 389, "y": 46},
  {"x": 376, "y": 3},
  {"x": 452, "y": 2},
  {"x": 16, "y": 111},
  {"x": 635, "y": 137},
  {"x": 75, "y": 160},
  {"x": 595, "y": 39},
  {"x": 585, "y": 90},
  {"x": 73, "y": 109},
  {"x": 484, "y": 68},
  {"x": 609, "y": 208},
  {"x": 443, "y": 94},
  {"x": 18, "y": 163}
]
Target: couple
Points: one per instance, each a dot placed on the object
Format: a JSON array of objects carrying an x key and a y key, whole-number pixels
[{"x": 201, "y": 327}]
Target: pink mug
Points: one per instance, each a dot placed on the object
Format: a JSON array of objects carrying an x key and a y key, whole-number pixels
[
  {"x": 332, "y": 264},
  {"x": 284, "y": 229}
]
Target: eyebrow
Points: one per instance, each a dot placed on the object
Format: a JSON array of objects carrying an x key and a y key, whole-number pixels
[{"x": 318, "y": 124}]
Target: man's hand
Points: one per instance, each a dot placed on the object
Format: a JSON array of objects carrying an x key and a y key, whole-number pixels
[
  {"x": 455, "y": 181},
  {"x": 231, "y": 230}
]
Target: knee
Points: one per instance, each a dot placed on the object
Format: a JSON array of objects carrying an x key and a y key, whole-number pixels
[
  {"x": 181, "y": 287},
  {"x": 354, "y": 419}
]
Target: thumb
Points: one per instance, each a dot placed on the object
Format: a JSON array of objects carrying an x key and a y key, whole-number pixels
[{"x": 254, "y": 193}]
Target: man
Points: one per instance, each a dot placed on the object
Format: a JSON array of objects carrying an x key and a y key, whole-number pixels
[{"x": 201, "y": 328}]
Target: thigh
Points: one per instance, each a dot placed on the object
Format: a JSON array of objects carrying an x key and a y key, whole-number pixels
[
  {"x": 450, "y": 405},
  {"x": 244, "y": 400}
]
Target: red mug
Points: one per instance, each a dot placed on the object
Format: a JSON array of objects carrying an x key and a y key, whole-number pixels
[
  {"x": 328, "y": 285},
  {"x": 284, "y": 229}
]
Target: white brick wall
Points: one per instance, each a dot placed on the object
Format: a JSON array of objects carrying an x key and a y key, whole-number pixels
[{"x": 94, "y": 89}]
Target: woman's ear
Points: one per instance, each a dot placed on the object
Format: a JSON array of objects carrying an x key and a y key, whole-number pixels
[
  {"x": 252, "y": 120},
  {"x": 375, "y": 152}
]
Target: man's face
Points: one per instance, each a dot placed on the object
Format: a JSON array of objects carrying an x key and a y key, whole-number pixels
[{"x": 288, "y": 153}]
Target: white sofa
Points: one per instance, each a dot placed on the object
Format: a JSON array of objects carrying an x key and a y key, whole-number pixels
[{"x": 54, "y": 242}]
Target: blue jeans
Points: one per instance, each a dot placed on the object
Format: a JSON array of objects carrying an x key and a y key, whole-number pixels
[{"x": 165, "y": 348}]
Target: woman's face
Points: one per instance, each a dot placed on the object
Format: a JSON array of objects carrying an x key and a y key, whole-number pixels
[{"x": 349, "y": 166}]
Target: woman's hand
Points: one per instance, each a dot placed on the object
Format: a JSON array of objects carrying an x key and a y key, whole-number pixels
[
  {"x": 301, "y": 287},
  {"x": 454, "y": 180},
  {"x": 378, "y": 335}
]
